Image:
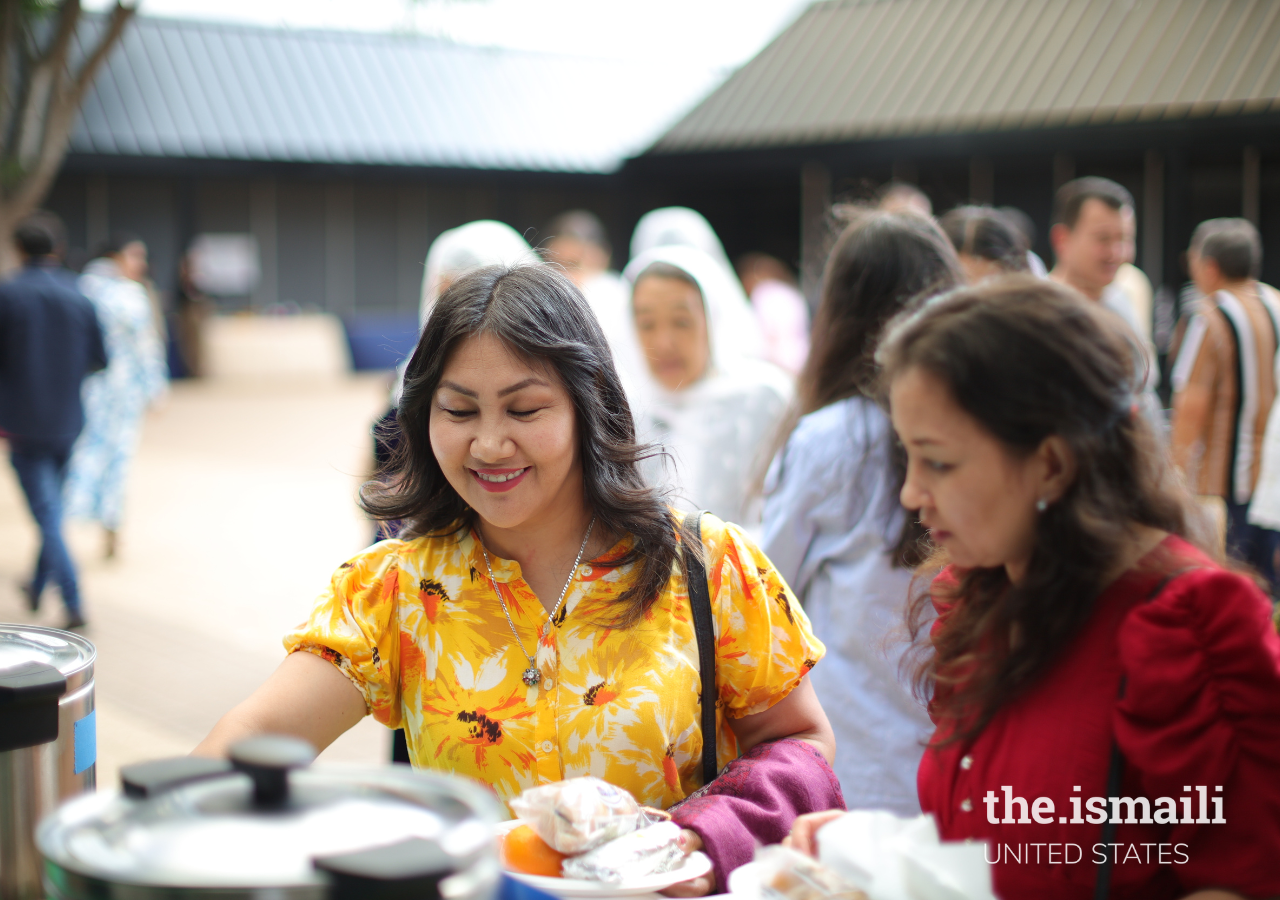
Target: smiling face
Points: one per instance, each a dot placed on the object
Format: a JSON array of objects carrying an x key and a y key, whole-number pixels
[
  {"x": 976, "y": 498},
  {"x": 1090, "y": 254},
  {"x": 504, "y": 432},
  {"x": 672, "y": 325}
]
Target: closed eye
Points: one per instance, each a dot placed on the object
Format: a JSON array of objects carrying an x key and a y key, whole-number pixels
[
  {"x": 457, "y": 413},
  {"x": 525, "y": 413}
]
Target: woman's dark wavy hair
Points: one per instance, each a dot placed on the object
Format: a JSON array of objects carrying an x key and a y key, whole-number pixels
[
  {"x": 539, "y": 314},
  {"x": 986, "y": 233},
  {"x": 881, "y": 264},
  {"x": 1029, "y": 359}
]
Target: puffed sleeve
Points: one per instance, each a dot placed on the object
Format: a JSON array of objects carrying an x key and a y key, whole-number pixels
[
  {"x": 1202, "y": 708},
  {"x": 354, "y": 625},
  {"x": 764, "y": 643}
]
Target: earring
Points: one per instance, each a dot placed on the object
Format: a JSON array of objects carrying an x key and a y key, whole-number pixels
[{"x": 1042, "y": 505}]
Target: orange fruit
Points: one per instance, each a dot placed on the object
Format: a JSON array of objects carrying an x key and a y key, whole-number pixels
[{"x": 523, "y": 851}]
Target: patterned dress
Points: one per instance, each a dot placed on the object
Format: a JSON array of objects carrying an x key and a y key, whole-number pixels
[
  {"x": 417, "y": 628},
  {"x": 116, "y": 398}
]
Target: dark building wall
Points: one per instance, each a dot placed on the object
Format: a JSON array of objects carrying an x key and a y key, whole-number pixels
[
  {"x": 1200, "y": 164},
  {"x": 346, "y": 241}
]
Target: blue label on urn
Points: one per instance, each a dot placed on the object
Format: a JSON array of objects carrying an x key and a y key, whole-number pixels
[{"x": 86, "y": 742}]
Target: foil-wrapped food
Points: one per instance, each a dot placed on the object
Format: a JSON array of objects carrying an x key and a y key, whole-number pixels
[
  {"x": 579, "y": 814},
  {"x": 649, "y": 851}
]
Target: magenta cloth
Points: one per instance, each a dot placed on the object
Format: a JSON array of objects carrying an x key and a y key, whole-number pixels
[{"x": 755, "y": 800}]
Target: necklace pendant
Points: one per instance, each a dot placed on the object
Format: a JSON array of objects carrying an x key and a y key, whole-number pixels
[{"x": 530, "y": 676}]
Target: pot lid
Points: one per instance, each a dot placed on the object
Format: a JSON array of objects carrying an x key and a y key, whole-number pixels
[
  {"x": 69, "y": 653},
  {"x": 263, "y": 820}
]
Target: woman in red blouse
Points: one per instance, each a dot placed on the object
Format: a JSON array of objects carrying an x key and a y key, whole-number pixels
[{"x": 1091, "y": 662}]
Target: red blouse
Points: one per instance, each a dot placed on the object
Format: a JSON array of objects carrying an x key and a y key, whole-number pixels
[{"x": 1201, "y": 709}]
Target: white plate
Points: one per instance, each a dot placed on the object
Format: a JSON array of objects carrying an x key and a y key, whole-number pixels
[
  {"x": 744, "y": 881},
  {"x": 695, "y": 864}
]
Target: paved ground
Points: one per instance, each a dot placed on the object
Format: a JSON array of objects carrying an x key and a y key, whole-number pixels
[{"x": 240, "y": 506}]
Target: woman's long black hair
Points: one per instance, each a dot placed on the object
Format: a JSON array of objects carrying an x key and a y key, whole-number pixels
[{"x": 539, "y": 314}]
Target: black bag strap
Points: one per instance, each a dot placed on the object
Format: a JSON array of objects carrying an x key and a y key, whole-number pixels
[
  {"x": 695, "y": 574},
  {"x": 1102, "y": 885}
]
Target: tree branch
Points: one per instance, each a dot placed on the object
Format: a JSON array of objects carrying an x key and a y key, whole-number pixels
[
  {"x": 68, "y": 19},
  {"x": 62, "y": 109},
  {"x": 120, "y": 17},
  {"x": 10, "y": 34}
]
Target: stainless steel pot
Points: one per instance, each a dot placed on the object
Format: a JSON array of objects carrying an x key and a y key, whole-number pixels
[
  {"x": 265, "y": 825},
  {"x": 48, "y": 741}
]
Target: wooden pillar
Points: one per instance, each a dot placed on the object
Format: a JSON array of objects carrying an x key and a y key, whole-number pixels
[
  {"x": 97, "y": 212},
  {"x": 1251, "y": 202},
  {"x": 1177, "y": 230},
  {"x": 1152, "y": 222},
  {"x": 815, "y": 202},
  {"x": 339, "y": 249},
  {"x": 263, "y": 226},
  {"x": 1064, "y": 169},
  {"x": 982, "y": 178}
]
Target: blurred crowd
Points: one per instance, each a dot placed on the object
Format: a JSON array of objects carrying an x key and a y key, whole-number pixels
[
  {"x": 777, "y": 424},
  {"x": 83, "y": 358}
]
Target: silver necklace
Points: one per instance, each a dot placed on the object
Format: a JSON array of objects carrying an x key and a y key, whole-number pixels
[{"x": 531, "y": 675}]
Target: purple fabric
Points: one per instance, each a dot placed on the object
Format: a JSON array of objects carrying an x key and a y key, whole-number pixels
[{"x": 755, "y": 800}]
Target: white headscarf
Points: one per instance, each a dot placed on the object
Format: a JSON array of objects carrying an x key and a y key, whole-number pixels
[
  {"x": 480, "y": 243},
  {"x": 677, "y": 226},
  {"x": 715, "y": 428},
  {"x": 732, "y": 329},
  {"x": 483, "y": 242}
]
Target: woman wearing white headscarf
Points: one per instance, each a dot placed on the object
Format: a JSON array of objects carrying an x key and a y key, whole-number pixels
[
  {"x": 483, "y": 242},
  {"x": 705, "y": 394}
]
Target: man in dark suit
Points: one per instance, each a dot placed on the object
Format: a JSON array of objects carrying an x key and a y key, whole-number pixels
[{"x": 50, "y": 339}]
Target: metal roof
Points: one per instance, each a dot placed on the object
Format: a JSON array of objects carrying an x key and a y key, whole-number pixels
[
  {"x": 861, "y": 69},
  {"x": 175, "y": 88}
]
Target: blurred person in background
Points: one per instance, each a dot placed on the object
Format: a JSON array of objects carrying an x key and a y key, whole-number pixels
[
  {"x": 192, "y": 309},
  {"x": 1224, "y": 383},
  {"x": 578, "y": 243},
  {"x": 1027, "y": 228},
  {"x": 50, "y": 340},
  {"x": 898, "y": 196},
  {"x": 117, "y": 398},
  {"x": 986, "y": 242},
  {"x": 779, "y": 307},
  {"x": 833, "y": 525},
  {"x": 711, "y": 405},
  {"x": 1081, "y": 637},
  {"x": 1092, "y": 237},
  {"x": 483, "y": 242}
]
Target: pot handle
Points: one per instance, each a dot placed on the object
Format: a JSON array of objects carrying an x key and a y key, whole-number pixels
[
  {"x": 411, "y": 869},
  {"x": 29, "y": 695},
  {"x": 147, "y": 779},
  {"x": 267, "y": 759}
]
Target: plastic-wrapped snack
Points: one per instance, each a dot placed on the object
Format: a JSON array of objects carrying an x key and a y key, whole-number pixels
[
  {"x": 788, "y": 875},
  {"x": 579, "y": 814},
  {"x": 649, "y": 851}
]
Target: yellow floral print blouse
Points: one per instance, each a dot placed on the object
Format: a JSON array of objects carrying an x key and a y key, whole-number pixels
[{"x": 417, "y": 628}]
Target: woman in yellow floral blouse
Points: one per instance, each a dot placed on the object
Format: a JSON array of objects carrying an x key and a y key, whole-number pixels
[{"x": 532, "y": 622}]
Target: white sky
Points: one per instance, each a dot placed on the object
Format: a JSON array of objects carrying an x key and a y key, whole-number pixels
[{"x": 700, "y": 34}]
